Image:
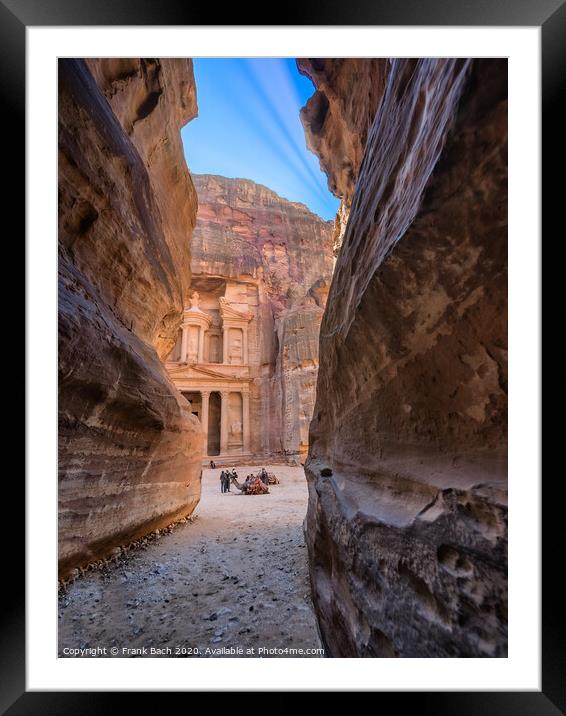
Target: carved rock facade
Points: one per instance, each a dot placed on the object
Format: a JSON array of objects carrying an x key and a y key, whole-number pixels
[
  {"x": 247, "y": 355},
  {"x": 407, "y": 518},
  {"x": 129, "y": 449}
]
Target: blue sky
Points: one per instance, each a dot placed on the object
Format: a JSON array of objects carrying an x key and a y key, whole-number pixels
[{"x": 249, "y": 127}]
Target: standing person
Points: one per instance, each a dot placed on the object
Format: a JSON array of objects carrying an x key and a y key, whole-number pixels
[{"x": 222, "y": 482}]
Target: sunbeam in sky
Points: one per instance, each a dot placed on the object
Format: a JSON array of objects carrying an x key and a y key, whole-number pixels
[{"x": 248, "y": 127}]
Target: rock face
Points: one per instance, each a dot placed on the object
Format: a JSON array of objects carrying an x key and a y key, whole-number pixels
[
  {"x": 275, "y": 258},
  {"x": 129, "y": 453},
  {"x": 407, "y": 467},
  {"x": 337, "y": 119}
]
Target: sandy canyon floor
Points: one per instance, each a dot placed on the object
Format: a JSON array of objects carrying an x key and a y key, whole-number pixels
[{"x": 231, "y": 583}]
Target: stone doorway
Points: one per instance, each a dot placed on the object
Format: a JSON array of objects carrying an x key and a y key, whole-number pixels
[{"x": 214, "y": 413}]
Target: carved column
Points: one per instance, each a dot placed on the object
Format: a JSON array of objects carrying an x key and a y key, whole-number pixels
[
  {"x": 205, "y": 395},
  {"x": 200, "y": 357},
  {"x": 225, "y": 345},
  {"x": 184, "y": 339},
  {"x": 224, "y": 423},
  {"x": 246, "y": 358},
  {"x": 246, "y": 419}
]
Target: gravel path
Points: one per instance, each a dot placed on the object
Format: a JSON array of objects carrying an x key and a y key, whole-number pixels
[{"x": 231, "y": 583}]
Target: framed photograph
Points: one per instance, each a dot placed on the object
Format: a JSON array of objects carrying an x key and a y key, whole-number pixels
[{"x": 283, "y": 352}]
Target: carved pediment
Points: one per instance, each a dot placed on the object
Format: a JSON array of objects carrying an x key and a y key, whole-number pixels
[
  {"x": 194, "y": 316},
  {"x": 209, "y": 373},
  {"x": 228, "y": 311},
  {"x": 182, "y": 371}
]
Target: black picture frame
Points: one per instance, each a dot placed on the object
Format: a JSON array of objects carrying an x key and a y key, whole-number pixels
[{"x": 550, "y": 15}]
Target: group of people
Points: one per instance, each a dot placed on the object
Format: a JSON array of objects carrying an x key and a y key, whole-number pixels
[{"x": 225, "y": 478}]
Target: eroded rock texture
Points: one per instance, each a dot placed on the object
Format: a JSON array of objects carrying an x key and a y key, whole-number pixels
[
  {"x": 407, "y": 536},
  {"x": 337, "y": 119},
  {"x": 275, "y": 256},
  {"x": 129, "y": 453}
]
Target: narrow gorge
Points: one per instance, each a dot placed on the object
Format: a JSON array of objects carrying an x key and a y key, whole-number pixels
[{"x": 208, "y": 323}]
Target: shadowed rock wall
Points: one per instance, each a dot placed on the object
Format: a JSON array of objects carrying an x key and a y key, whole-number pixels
[
  {"x": 407, "y": 536},
  {"x": 129, "y": 449},
  {"x": 337, "y": 119}
]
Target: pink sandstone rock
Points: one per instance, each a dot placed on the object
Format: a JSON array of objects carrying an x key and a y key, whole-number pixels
[
  {"x": 407, "y": 519},
  {"x": 280, "y": 255},
  {"x": 129, "y": 449}
]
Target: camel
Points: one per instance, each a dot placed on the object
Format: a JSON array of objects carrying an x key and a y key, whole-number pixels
[
  {"x": 268, "y": 478},
  {"x": 252, "y": 486}
]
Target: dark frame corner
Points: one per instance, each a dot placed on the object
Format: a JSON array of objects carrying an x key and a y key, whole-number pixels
[{"x": 550, "y": 15}]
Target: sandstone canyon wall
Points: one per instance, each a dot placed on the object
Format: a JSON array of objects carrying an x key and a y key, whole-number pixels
[
  {"x": 278, "y": 255},
  {"x": 407, "y": 468},
  {"x": 337, "y": 119},
  {"x": 129, "y": 455}
]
